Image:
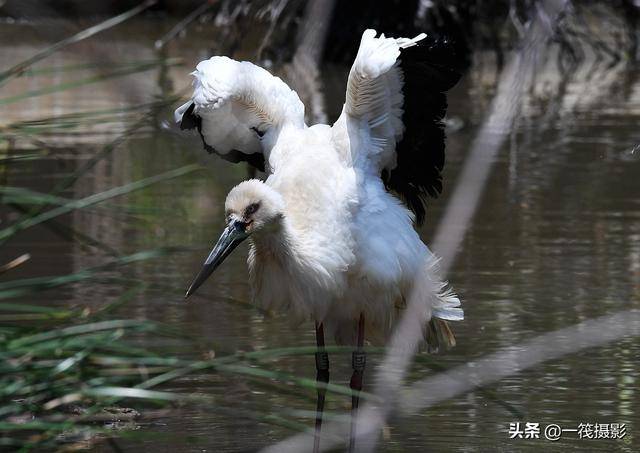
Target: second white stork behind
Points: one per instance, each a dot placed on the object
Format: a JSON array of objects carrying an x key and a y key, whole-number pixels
[{"x": 331, "y": 240}]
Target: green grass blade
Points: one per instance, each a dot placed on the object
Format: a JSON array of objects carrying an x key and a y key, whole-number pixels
[
  {"x": 124, "y": 298},
  {"x": 94, "y": 199},
  {"x": 79, "y": 330},
  {"x": 27, "y": 196},
  {"x": 26, "y": 308},
  {"x": 74, "y": 119},
  {"x": 48, "y": 70},
  {"x": 67, "y": 232},
  {"x": 20, "y": 158},
  {"x": 78, "y": 83},
  {"x": 105, "y": 151},
  {"x": 88, "y": 165},
  {"x": 17, "y": 288},
  {"x": 19, "y": 68}
]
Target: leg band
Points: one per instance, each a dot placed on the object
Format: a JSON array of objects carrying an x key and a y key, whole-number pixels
[
  {"x": 322, "y": 361},
  {"x": 358, "y": 360}
]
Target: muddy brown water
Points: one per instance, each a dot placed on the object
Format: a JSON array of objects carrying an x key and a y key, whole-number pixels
[{"x": 555, "y": 241}]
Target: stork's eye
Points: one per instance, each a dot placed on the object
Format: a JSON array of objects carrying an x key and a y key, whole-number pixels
[
  {"x": 251, "y": 209},
  {"x": 258, "y": 132}
]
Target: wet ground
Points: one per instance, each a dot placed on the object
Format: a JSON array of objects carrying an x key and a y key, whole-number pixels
[{"x": 556, "y": 241}]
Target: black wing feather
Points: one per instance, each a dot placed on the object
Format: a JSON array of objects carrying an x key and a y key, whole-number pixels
[
  {"x": 430, "y": 69},
  {"x": 190, "y": 121}
]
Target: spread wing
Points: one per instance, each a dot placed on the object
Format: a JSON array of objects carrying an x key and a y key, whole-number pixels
[
  {"x": 221, "y": 141},
  {"x": 234, "y": 104},
  {"x": 397, "y": 87}
]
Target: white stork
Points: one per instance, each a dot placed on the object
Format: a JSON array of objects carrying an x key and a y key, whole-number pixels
[{"x": 330, "y": 237}]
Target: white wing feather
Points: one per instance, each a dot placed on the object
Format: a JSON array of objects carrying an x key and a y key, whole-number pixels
[
  {"x": 374, "y": 94},
  {"x": 236, "y": 98}
]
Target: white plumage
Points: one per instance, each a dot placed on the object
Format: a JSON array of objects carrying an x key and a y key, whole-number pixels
[{"x": 329, "y": 242}]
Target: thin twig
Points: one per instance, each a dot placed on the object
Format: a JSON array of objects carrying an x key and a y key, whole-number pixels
[
  {"x": 15, "y": 263},
  {"x": 504, "y": 109},
  {"x": 184, "y": 23}
]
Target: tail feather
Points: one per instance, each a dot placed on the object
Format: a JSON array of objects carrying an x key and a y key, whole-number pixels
[
  {"x": 447, "y": 308},
  {"x": 439, "y": 335}
]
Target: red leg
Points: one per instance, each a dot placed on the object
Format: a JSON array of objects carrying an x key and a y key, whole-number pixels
[
  {"x": 322, "y": 377},
  {"x": 358, "y": 362}
]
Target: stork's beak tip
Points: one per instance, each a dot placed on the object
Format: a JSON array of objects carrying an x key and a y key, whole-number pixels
[
  {"x": 233, "y": 235},
  {"x": 189, "y": 292}
]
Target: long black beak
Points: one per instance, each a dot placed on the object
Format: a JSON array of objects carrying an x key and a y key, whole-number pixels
[{"x": 232, "y": 235}]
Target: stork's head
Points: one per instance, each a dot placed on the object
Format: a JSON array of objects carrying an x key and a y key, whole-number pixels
[
  {"x": 252, "y": 207},
  {"x": 255, "y": 205}
]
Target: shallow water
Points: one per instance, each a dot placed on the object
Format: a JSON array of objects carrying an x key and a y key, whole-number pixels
[{"x": 556, "y": 241}]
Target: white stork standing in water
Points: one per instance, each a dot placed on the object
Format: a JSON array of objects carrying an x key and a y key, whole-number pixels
[{"x": 329, "y": 239}]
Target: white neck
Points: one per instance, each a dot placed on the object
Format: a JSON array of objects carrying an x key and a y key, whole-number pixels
[{"x": 275, "y": 240}]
